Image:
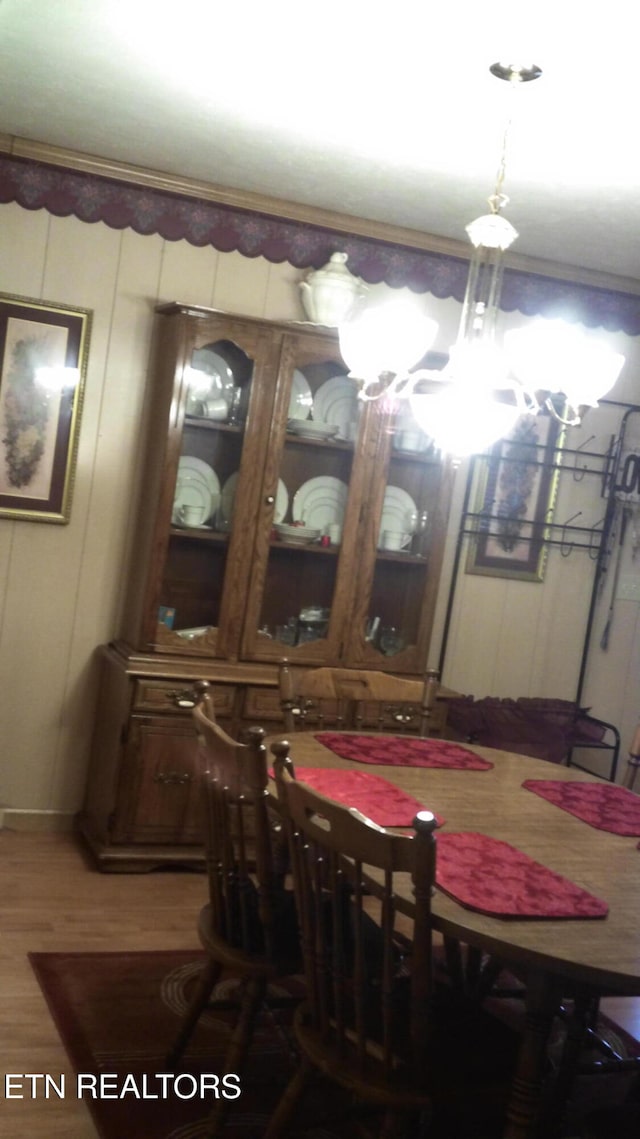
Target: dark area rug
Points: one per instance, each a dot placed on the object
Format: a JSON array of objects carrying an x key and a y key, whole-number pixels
[{"x": 117, "y": 1015}]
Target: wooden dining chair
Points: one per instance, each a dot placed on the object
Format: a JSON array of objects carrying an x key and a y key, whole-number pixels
[
  {"x": 358, "y": 1025},
  {"x": 361, "y": 700},
  {"x": 368, "y": 1021},
  {"x": 249, "y": 924}
]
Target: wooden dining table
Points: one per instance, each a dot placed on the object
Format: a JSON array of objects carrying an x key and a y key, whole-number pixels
[{"x": 558, "y": 957}]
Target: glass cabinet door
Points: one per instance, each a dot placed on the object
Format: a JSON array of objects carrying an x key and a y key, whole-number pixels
[
  {"x": 294, "y": 609},
  {"x": 393, "y": 611},
  {"x": 222, "y": 419}
]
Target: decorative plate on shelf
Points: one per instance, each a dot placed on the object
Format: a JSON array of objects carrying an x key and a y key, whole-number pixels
[
  {"x": 197, "y": 484},
  {"x": 300, "y": 400},
  {"x": 399, "y": 512},
  {"x": 320, "y": 501},
  {"x": 228, "y": 495},
  {"x": 210, "y": 378},
  {"x": 336, "y": 403},
  {"x": 192, "y": 492}
]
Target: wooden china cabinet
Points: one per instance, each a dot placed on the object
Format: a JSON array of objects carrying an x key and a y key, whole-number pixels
[{"x": 280, "y": 517}]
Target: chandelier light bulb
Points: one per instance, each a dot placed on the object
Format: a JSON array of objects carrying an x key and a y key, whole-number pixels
[
  {"x": 477, "y": 365},
  {"x": 461, "y": 426},
  {"x": 553, "y": 356},
  {"x": 386, "y": 338}
]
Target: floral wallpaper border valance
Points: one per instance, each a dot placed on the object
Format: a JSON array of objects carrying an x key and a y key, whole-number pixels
[{"x": 92, "y": 198}]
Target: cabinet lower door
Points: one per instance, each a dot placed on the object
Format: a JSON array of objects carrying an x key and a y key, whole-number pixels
[{"x": 159, "y": 799}]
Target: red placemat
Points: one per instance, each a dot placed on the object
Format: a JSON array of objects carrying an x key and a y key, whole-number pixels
[
  {"x": 601, "y": 805},
  {"x": 402, "y": 751},
  {"x": 492, "y": 877},
  {"x": 374, "y": 796}
]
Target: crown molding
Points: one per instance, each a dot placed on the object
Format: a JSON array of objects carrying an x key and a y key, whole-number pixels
[{"x": 307, "y": 215}]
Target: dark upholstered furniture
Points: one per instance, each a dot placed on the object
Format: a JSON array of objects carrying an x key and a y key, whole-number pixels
[{"x": 546, "y": 728}]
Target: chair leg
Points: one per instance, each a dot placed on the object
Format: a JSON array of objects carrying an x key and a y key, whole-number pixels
[
  {"x": 206, "y": 984},
  {"x": 289, "y": 1101},
  {"x": 562, "y": 1085},
  {"x": 238, "y": 1048},
  {"x": 405, "y": 1125},
  {"x": 453, "y": 960}
]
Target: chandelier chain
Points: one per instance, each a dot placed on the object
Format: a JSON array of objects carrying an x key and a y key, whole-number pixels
[{"x": 499, "y": 199}]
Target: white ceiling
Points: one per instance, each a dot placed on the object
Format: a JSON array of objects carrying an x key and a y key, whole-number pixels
[{"x": 383, "y": 110}]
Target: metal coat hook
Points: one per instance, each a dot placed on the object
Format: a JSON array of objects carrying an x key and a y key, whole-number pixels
[
  {"x": 579, "y": 475},
  {"x": 567, "y": 548},
  {"x": 594, "y": 549}
]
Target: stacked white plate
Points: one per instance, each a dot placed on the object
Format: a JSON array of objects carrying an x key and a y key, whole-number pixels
[
  {"x": 297, "y": 535},
  {"x": 319, "y": 502},
  {"x": 399, "y": 512},
  {"x": 197, "y": 485},
  {"x": 227, "y": 500},
  {"x": 336, "y": 403},
  {"x": 311, "y": 429}
]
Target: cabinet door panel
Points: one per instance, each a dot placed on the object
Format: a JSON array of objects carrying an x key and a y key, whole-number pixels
[
  {"x": 403, "y": 529},
  {"x": 262, "y": 704},
  {"x": 296, "y": 605},
  {"x": 223, "y": 391},
  {"x": 159, "y": 797}
]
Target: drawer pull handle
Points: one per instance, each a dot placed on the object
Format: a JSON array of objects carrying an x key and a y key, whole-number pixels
[
  {"x": 189, "y": 697},
  {"x": 184, "y": 699},
  {"x": 173, "y": 777}
]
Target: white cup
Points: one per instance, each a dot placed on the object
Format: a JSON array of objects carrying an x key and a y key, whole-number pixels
[
  {"x": 334, "y": 530},
  {"x": 395, "y": 539},
  {"x": 190, "y": 515},
  {"x": 216, "y": 408}
]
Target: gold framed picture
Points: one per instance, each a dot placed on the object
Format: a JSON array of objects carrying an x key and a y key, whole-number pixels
[
  {"x": 516, "y": 500},
  {"x": 43, "y": 360}
]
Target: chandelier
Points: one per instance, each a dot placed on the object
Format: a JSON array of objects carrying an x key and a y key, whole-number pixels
[{"x": 477, "y": 397}]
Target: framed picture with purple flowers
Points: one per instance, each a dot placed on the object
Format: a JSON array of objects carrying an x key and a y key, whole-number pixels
[
  {"x": 43, "y": 360},
  {"x": 516, "y": 499}
]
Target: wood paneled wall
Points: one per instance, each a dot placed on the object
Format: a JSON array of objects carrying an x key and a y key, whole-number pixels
[{"x": 61, "y": 587}]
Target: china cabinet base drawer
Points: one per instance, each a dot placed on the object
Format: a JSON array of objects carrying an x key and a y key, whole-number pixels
[
  {"x": 177, "y": 696},
  {"x": 262, "y": 704}
]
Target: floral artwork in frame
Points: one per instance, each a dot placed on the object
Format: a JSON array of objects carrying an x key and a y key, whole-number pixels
[
  {"x": 516, "y": 501},
  {"x": 43, "y": 360}
]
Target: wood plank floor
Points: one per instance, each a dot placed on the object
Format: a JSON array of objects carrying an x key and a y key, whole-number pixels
[{"x": 51, "y": 899}]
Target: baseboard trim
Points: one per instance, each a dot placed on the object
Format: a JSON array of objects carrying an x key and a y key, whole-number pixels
[{"x": 13, "y": 819}]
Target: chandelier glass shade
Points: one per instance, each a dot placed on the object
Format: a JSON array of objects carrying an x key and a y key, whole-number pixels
[
  {"x": 385, "y": 340},
  {"x": 476, "y": 398}
]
